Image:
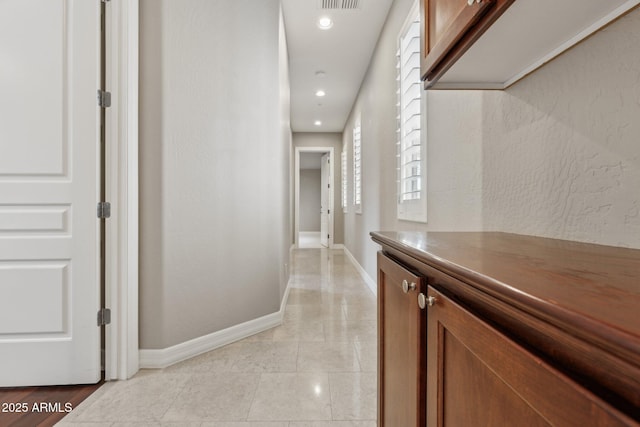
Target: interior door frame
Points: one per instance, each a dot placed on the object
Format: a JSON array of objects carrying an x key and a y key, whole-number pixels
[
  {"x": 325, "y": 192},
  {"x": 121, "y": 180},
  {"x": 332, "y": 165}
]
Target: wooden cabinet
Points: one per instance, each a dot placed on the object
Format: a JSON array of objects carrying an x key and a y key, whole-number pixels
[
  {"x": 450, "y": 26},
  {"x": 401, "y": 346},
  {"x": 491, "y": 44},
  {"x": 521, "y": 331},
  {"x": 477, "y": 376}
]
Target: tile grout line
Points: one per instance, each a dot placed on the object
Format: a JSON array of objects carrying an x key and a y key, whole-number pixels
[
  {"x": 330, "y": 396},
  {"x": 253, "y": 399}
]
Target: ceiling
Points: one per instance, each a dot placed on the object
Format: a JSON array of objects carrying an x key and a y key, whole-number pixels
[{"x": 342, "y": 52}]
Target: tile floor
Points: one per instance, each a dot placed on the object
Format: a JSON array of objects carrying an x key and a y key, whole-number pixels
[
  {"x": 309, "y": 239},
  {"x": 318, "y": 369}
]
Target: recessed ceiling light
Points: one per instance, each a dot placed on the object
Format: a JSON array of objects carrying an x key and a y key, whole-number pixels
[
  {"x": 317, "y": 123},
  {"x": 320, "y": 93},
  {"x": 324, "y": 23}
]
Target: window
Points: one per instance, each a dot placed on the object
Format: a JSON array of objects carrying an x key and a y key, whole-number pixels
[
  {"x": 357, "y": 168},
  {"x": 410, "y": 147},
  {"x": 344, "y": 179}
]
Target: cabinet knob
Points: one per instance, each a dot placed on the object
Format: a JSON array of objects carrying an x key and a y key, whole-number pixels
[
  {"x": 424, "y": 301},
  {"x": 406, "y": 286}
]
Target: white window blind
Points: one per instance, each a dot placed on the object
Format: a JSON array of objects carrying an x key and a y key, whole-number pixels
[
  {"x": 409, "y": 140},
  {"x": 344, "y": 179},
  {"x": 357, "y": 168}
]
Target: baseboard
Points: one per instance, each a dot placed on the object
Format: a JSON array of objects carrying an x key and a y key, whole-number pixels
[
  {"x": 285, "y": 298},
  {"x": 373, "y": 286},
  {"x": 157, "y": 359},
  {"x": 337, "y": 246}
]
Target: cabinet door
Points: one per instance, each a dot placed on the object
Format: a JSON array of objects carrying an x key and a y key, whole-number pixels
[
  {"x": 401, "y": 346},
  {"x": 477, "y": 376},
  {"x": 445, "y": 22}
]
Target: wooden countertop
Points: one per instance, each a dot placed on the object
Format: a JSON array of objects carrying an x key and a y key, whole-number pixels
[{"x": 584, "y": 287}]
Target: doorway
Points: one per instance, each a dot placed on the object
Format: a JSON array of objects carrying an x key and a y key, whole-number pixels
[{"x": 314, "y": 197}]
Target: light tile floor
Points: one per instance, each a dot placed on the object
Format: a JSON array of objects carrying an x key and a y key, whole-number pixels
[
  {"x": 309, "y": 239},
  {"x": 318, "y": 369}
]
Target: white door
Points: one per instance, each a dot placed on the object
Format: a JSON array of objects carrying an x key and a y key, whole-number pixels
[
  {"x": 49, "y": 182},
  {"x": 324, "y": 200}
]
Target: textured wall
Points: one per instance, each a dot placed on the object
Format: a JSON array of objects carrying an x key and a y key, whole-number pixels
[
  {"x": 214, "y": 230},
  {"x": 562, "y": 147}
]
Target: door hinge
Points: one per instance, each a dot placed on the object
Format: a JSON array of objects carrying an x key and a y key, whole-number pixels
[
  {"x": 104, "y": 98},
  {"x": 104, "y": 210},
  {"x": 104, "y": 316}
]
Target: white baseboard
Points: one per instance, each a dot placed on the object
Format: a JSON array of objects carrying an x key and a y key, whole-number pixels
[
  {"x": 337, "y": 246},
  {"x": 373, "y": 286},
  {"x": 285, "y": 298},
  {"x": 157, "y": 359}
]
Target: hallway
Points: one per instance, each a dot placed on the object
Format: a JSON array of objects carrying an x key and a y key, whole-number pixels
[{"x": 318, "y": 369}]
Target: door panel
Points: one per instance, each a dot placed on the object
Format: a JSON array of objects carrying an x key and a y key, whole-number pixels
[
  {"x": 44, "y": 315},
  {"x": 324, "y": 202},
  {"x": 498, "y": 380},
  {"x": 49, "y": 182},
  {"x": 35, "y": 219},
  {"x": 401, "y": 346}
]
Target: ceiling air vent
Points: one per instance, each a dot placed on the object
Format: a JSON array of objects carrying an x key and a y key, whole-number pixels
[
  {"x": 351, "y": 4},
  {"x": 340, "y": 4}
]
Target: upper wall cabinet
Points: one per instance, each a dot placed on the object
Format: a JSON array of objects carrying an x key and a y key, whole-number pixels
[{"x": 491, "y": 44}]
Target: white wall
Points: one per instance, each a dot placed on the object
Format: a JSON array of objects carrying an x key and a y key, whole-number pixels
[
  {"x": 310, "y": 199},
  {"x": 151, "y": 274},
  {"x": 215, "y": 152},
  {"x": 284, "y": 197},
  {"x": 555, "y": 155}
]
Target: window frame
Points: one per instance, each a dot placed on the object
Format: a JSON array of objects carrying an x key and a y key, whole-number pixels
[
  {"x": 357, "y": 167},
  {"x": 415, "y": 208},
  {"x": 344, "y": 180}
]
